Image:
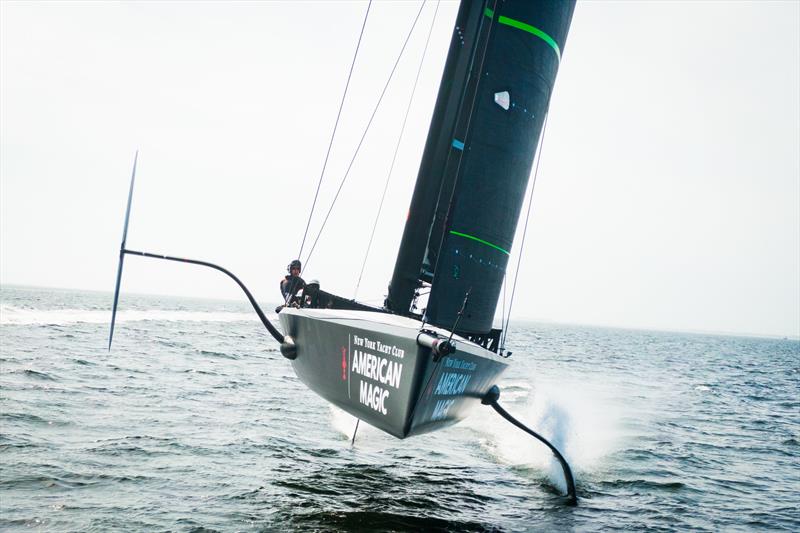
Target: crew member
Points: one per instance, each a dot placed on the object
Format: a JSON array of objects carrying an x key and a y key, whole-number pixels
[
  {"x": 292, "y": 283},
  {"x": 311, "y": 294}
]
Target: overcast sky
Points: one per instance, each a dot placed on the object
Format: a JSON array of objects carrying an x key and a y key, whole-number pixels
[{"x": 668, "y": 195}]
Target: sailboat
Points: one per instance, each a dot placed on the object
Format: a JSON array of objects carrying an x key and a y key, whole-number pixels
[{"x": 402, "y": 368}]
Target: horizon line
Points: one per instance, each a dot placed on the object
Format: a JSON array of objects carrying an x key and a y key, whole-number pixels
[{"x": 523, "y": 319}]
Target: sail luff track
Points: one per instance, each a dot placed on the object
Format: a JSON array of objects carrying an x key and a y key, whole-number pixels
[
  {"x": 480, "y": 158},
  {"x": 428, "y": 188}
]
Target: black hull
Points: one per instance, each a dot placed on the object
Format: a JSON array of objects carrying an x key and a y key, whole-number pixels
[{"x": 371, "y": 365}]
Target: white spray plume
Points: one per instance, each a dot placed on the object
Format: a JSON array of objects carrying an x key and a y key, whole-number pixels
[{"x": 579, "y": 419}]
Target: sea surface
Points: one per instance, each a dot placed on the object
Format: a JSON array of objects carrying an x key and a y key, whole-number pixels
[{"x": 195, "y": 422}]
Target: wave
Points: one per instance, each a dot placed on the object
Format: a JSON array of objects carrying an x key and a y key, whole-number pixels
[
  {"x": 16, "y": 316},
  {"x": 579, "y": 419}
]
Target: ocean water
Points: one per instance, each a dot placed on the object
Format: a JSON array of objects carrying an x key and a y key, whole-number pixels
[{"x": 195, "y": 422}]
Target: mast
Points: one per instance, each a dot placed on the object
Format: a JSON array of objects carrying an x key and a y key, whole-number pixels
[
  {"x": 408, "y": 269},
  {"x": 495, "y": 92}
]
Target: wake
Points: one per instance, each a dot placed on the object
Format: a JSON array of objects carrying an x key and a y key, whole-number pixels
[{"x": 14, "y": 316}]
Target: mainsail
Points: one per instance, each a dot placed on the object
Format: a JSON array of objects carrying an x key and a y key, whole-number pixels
[{"x": 493, "y": 98}]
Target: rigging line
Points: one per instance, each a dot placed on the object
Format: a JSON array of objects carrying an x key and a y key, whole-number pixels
[
  {"x": 503, "y": 316},
  {"x": 396, "y": 149},
  {"x": 374, "y": 111},
  {"x": 335, "y": 125},
  {"x": 426, "y": 387},
  {"x": 525, "y": 231}
]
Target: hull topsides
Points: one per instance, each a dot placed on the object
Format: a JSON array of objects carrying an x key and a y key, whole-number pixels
[{"x": 370, "y": 365}]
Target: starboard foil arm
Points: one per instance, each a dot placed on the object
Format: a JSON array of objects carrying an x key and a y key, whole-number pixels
[
  {"x": 491, "y": 398},
  {"x": 123, "y": 251},
  {"x": 277, "y": 335}
]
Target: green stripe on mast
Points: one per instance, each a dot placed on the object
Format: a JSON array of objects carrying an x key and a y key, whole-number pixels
[
  {"x": 487, "y": 243},
  {"x": 528, "y": 28}
]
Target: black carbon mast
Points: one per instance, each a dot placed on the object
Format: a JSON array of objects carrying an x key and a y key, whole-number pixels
[
  {"x": 492, "y": 101},
  {"x": 408, "y": 270}
]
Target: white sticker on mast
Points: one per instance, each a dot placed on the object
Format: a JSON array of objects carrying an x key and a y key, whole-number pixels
[{"x": 503, "y": 99}]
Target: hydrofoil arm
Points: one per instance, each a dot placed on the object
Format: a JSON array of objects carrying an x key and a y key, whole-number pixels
[
  {"x": 491, "y": 399},
  {"x": 123, "y": 251}
]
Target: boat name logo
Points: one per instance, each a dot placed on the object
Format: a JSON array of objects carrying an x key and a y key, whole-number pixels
[
  {"x": 451, "y": 384},
  {"x": 460, "y": 364},
  {"x": 378, "y": 372},
  {"x": 378, "y": 346}
]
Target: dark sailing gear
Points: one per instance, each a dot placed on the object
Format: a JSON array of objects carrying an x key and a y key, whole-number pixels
[
  {"x": 311, "y": 294},
  {"x": 290, "y": 286}
]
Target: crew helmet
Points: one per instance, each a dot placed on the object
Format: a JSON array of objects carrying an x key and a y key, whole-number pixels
[{"x": 294, "y": 264}]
